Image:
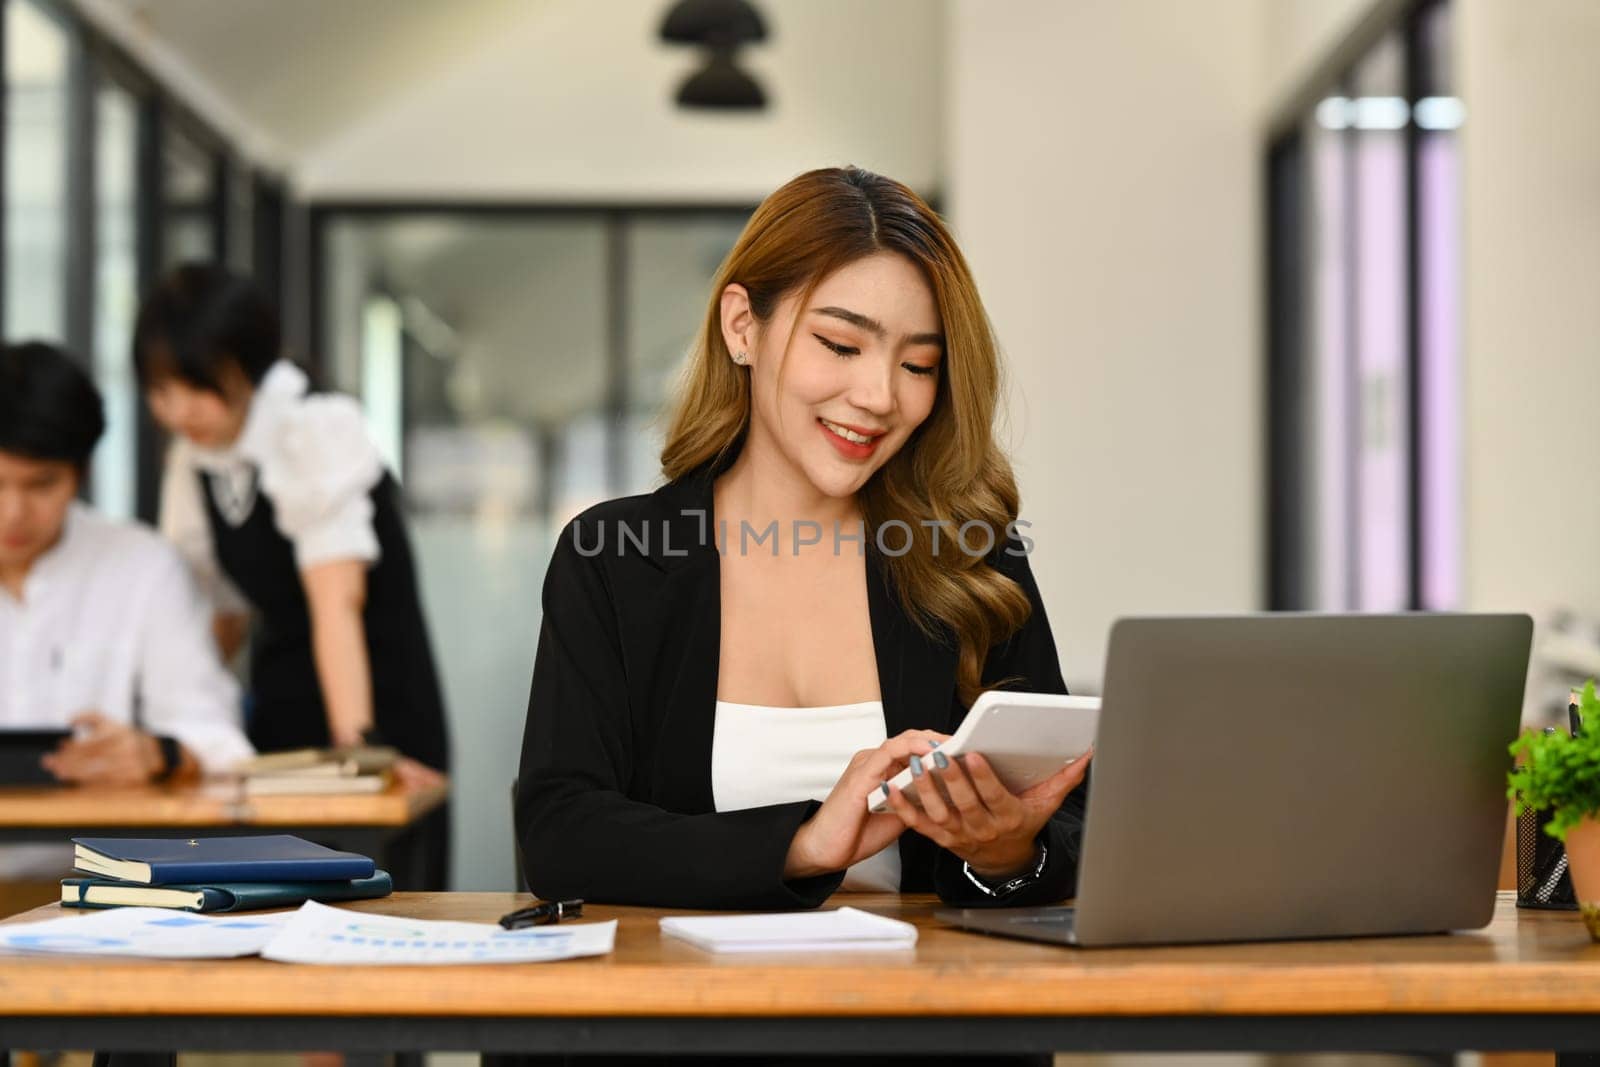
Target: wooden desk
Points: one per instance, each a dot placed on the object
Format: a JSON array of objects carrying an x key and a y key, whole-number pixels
[
  {"x": 1530, "y": 980},
  {"x": 47, "y": 813},
  {"x": 377, "y": 825}
]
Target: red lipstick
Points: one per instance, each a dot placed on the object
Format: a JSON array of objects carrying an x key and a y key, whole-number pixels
[{"x": 851, "y": 449}]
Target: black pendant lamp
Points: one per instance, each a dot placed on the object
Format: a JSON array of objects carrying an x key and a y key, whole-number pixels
[{"x": 720, "y": 27}]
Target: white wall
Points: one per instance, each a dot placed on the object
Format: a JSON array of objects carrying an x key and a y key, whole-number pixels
[
  {"x": 1530, "y": 78},
  {"x": 1103, "y": 163},
  {"x": 574, "y": 100},
  {"x": 1299, "y": 35}
]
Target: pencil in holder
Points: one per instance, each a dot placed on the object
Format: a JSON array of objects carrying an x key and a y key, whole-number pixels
[{"x": 1542, "y": 877}]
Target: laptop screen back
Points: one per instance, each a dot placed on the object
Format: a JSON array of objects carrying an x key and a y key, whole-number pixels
[{"x": 1282, "y": 776}]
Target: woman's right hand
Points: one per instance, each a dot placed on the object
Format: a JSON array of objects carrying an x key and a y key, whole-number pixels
[{"x": 842, "y": 831}]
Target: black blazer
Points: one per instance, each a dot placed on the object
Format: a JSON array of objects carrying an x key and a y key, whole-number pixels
[{"x": 614, "y": 800}]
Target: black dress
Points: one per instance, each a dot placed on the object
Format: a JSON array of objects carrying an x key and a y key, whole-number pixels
[
  {"x": 288, "y": 706},
  {"x": 287, "y": 709}
]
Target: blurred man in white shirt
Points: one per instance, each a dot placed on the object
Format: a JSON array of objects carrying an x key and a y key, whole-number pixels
[{"x": 102, "y": 628}]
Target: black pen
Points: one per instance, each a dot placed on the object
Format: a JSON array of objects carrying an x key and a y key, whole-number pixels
[{"x": 552, "y": 911}]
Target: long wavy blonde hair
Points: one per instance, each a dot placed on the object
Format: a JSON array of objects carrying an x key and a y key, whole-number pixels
[{"x": 951, "y": 470}]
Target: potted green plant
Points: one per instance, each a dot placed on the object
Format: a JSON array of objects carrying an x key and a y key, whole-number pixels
[{"x": 1559, "y": 772}]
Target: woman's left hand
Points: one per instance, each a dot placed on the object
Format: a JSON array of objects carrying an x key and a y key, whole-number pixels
[
  {"x": 416, "y": 776},
  {"x": 966, "y": 810}
]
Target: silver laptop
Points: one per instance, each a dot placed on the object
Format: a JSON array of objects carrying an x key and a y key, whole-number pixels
[{"x": 1287, "y": 776}]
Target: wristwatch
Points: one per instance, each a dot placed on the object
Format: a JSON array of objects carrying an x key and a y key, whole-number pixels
[
  {"x": 171, "y": 757},
  {"x": 1011, "y": 885}
]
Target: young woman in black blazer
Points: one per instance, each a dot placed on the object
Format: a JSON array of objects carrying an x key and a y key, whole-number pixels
[{"x": 832, "y": 573}]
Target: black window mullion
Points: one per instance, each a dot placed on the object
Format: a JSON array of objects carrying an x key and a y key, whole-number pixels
[
  {"x": 616, "y": 416},
  {"x": 81, "y": 214},
  {"x": 149, "y": 242},
  {"x": 79, "y": 262},
  {"x": 1288, "y": 219},
  {"x": 319, "y": 238},
  {"x": 221, "y": 175},
  {"x": 1414, "y": 91},
  {"x": 266, "y": 227}
]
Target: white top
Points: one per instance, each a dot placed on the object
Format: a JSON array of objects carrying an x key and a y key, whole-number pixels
[
  {"x": 313, "y": 458},
  {"x": 764, "y": 755},
  {"x": 109, "y": 621}
]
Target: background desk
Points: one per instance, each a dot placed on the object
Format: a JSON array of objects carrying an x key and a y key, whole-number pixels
[
  {"x": 376, "y": 824},
  {"x": 1531, "y": 980}
]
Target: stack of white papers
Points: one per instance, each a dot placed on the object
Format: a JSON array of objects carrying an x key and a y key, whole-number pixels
[
  {"x": 841, "y": 930},
  {"x": 158, "y": 933},
  {"x": 320, "y": 934},
  {"x": 314, "y": 934}
]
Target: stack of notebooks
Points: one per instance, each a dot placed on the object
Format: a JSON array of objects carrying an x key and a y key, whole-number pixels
[
  {"x": 319, "y": 770},
  {"x": 216, "y": 873}
]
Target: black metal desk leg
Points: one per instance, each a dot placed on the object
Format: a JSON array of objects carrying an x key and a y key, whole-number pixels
[{"x": 135, "y": 1059}]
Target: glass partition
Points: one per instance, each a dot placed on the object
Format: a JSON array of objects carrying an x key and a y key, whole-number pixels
[
  {"x": 38, "y": 90},
  {"x": 189, "y": 199},
  {"x": 517, "y": 365},
  {"x": 670, "y": 261},
  {"x": 1364, "y": 308}
]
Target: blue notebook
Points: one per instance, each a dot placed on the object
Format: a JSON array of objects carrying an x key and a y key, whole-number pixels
[
  {"x": 227, "y": 896},
  {"x": 185, "y": 861}
]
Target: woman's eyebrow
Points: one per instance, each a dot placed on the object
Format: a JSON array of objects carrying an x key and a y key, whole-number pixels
[{"x": 875, "y": 328}]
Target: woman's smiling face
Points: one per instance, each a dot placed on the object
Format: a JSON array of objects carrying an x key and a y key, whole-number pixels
[{"x": 860, "y": 375}]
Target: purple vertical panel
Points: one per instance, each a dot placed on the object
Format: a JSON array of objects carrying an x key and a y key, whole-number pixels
[
  {"x": 1439, "y": 297},
  {"x": 1381, "y": 323}
]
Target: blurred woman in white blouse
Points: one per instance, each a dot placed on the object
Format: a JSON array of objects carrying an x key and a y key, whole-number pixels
[{"x": 277, "y": 496}]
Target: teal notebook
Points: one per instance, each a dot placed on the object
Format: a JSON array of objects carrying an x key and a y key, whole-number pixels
[{"x": 221, "y": 896}]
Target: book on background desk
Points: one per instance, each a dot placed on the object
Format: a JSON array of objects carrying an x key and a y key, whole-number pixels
[
  {"x": 320, "y": 771},
  {"x": 221, "y": 896},
  {"x": 840, "y": 930},
  {"x": 346, "y": 762},
  {"x": 209, "y": 860},
  {"x": 272, "y": 785}
]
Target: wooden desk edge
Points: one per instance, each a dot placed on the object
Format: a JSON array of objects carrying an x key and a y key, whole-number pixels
[
  {"x": 1549, "y": 971},
  {"x": 209, "y": 805}
]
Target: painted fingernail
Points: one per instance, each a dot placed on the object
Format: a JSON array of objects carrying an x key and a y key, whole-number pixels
[
  {"x": 916, "y": 766},
  {"x": 885, "y": 787},
  {"x": 940, "y": 761},
  {"x": 934, "y": 744}
]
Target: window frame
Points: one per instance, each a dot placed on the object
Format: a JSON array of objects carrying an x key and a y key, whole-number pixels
[
  {"x": 1287, "y": 223},
  {"x": 95, "y": 60},
  {"x": 614, "y": 216}
]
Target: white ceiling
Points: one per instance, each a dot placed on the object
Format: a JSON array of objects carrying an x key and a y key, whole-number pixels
[
  {"x": 301, "y": 70},
  {"x": 560, "y": 100}
]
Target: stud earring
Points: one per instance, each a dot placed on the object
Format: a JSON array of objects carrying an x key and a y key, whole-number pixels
[{"x": 740, "y": 358}]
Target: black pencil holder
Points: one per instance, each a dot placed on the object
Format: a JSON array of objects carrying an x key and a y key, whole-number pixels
[{"x": 1543, "y": 880}]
